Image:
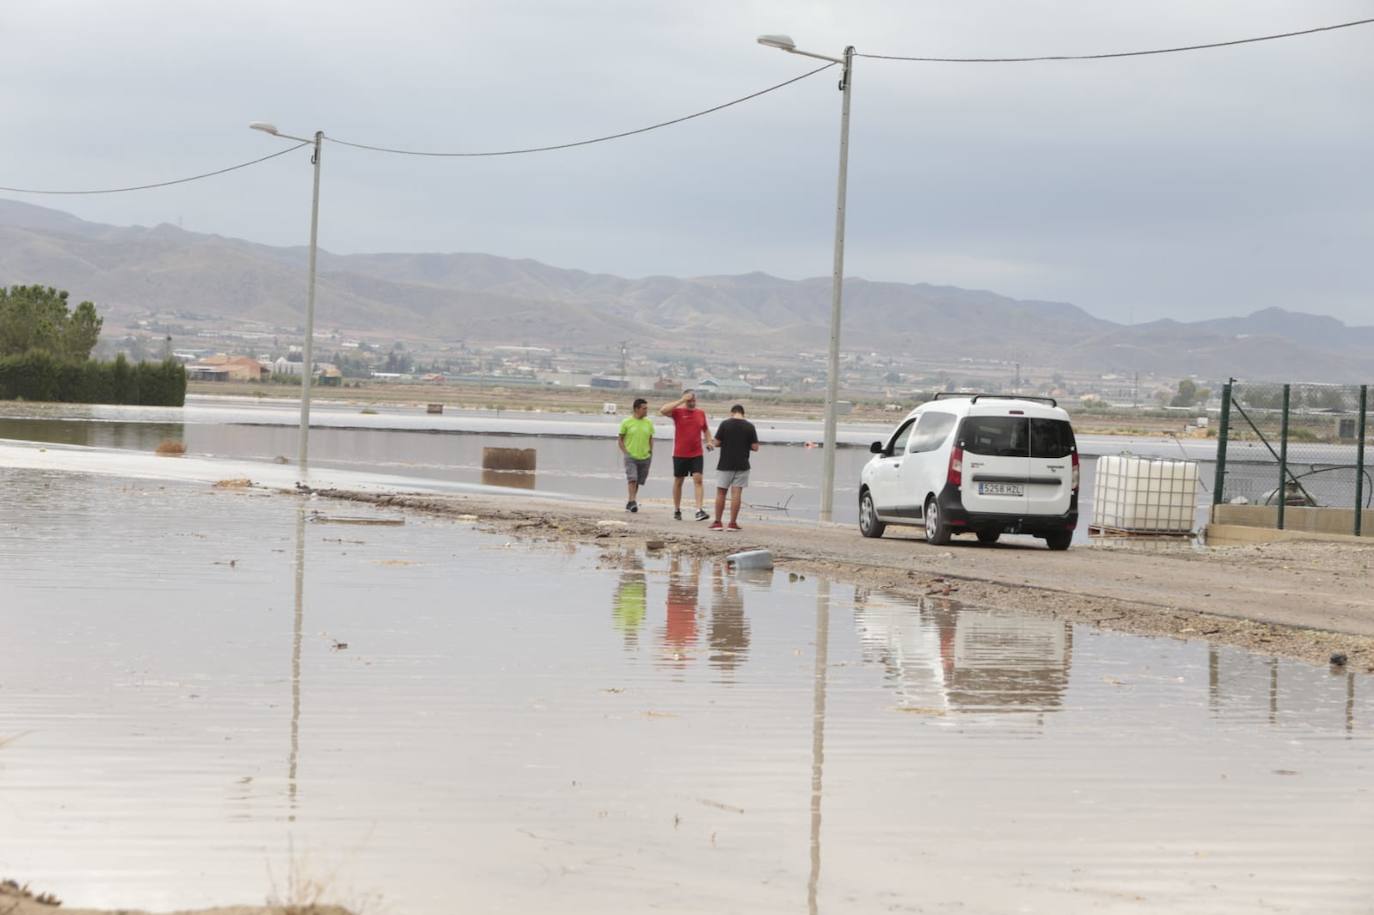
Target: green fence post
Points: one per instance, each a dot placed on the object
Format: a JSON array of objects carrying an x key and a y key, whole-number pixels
[
  {"x": 1283, "y": 456},
  {"x": 1359, "y": 461},
  {"x": 1223, "y": 440}
]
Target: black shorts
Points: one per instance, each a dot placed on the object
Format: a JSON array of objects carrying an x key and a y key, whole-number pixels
[{"x": 685, "y": 467}]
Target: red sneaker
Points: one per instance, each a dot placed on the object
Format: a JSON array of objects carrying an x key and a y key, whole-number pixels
[
  {"x": 715, "y": 526},
  {"x": 732, "y": 526}
]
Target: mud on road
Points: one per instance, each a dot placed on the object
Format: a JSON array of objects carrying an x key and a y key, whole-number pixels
[{"x": 1303, "y": 600}]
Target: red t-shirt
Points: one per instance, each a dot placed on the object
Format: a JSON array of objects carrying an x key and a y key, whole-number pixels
[{"x": 690, "y": 424}]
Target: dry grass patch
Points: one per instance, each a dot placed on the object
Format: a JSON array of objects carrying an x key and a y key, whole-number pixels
[{"x": 171, "y": 448}]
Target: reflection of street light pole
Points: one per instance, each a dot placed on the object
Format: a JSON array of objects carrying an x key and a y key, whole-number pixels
[
  {"x": 294, "y": 757},
  {"x": 818, "y": 738},
  {"x": 832, "y": 384},
  {"x": 307, "y": 364}
]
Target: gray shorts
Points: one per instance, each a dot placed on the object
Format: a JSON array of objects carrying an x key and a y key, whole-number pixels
[
  {"x": 637, "y": 471},
  {"x": 729, "y": 479}
]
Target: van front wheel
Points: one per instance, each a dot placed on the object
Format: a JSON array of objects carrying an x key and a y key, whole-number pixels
[
  {"x": 869, "y": 525},
  {"x": 937, "y": 531}
]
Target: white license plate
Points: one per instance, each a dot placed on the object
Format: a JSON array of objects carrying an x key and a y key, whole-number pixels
[{"x": 1001, "y": 489}]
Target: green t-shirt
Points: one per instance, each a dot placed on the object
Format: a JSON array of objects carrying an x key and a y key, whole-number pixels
[{"x": 639, "y": 436}]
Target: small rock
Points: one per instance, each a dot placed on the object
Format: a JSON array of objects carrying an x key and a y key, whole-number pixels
[
  {"x": 612, "y": 525},
  {"x": 654, "y": 546},
  {"x": 1338, "y": 659}
]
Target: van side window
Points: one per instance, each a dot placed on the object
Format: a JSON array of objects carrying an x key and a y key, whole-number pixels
[
  {"x": 898, "y": 443},
  {"x": 931, "y": 432}
]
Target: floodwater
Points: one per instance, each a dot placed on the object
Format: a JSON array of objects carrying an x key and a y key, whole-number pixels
[
  {"x": 206, "y": 691},
  {"x": 570, "y": 460}
]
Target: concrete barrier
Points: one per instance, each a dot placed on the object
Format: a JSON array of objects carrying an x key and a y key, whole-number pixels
[{"x": 1296, "y": 518}]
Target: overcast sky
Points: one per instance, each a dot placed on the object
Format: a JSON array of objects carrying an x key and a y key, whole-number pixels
[{"x": 1187, "y": 186}]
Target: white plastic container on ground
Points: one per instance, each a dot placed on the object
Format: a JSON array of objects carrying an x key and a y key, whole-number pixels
[
  {"x": 1137, "y": 495},
  {"x": 751, "y": 559}
]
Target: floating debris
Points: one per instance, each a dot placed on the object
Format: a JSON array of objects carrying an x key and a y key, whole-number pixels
[{"x": 318, "y": 518}]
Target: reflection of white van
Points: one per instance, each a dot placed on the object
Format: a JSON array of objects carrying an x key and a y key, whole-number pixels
[{"x": 979, "y": 464}]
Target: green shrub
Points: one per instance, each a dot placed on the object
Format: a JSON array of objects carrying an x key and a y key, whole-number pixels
[{"x": 39, "y": 375}]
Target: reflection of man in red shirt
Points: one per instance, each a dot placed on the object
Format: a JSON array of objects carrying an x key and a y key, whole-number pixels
[
  {"x": 681, "y": 631},
  {"x": 692, "y": 434}
]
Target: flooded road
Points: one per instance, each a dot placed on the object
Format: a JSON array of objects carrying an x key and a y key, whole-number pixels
[{"x": 203, "y": 690}]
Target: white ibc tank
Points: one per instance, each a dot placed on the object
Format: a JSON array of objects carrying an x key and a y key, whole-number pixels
[{"x": 1144, "y": 496}]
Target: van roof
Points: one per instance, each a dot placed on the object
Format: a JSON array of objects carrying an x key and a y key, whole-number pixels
[{"x": 993, "y": 405}]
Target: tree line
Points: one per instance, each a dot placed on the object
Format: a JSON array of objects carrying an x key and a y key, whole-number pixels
[{"x": 45, "y": 354}]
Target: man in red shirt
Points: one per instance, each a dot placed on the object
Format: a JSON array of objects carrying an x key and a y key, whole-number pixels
[{"x": 692, "y": 434}]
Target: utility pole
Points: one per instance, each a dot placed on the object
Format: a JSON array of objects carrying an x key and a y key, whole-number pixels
[{"x": 624, "y": 348}]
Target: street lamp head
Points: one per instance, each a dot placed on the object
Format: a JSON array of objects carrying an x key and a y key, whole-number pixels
[
  {"x": 264, "y": 127},
  {"x": 782, "y": 42}
]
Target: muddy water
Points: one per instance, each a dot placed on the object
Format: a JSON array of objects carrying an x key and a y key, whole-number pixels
[{"x": 204, "y": 692}]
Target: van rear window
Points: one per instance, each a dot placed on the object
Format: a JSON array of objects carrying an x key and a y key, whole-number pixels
[
  {"x": 1017, "y": 436},
  {"x": 1002, "y": 436},
  {"x": 1051, "y": 438}
]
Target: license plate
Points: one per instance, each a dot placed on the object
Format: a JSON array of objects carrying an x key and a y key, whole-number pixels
[{"x": 1001, "y": 489}]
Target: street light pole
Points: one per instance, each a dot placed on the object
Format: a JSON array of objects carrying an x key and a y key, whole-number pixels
[
  {"x": 308, "y": 356},
  {"x": 308, "y": 351},
  {"x": 832, "y": 383}
]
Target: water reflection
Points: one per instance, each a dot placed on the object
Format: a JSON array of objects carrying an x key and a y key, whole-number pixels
[
  {"x": 126, "y": 436},
  {"x": 943, "y": 657},
  {"x": 297, "y": 628},
  {"x": 1248, "y": 685},
  {"x": 631, "y": 601},
  {"x": 820, "y": 680},
  {"x": 680, "y": 625},
  {"x": 728, "y": 634},
  {"x": 512, "y": 479}
]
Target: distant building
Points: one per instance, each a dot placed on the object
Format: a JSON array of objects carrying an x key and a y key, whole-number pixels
[
  {"x": 283, "y": 366},
  {"x": 222, "y": 367},
  {"x": 604, "y": 382},
  {"x": 727, "y": 387}
]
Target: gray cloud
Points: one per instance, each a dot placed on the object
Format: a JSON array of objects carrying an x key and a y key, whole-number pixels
[{"x": 1185, "y": 186}]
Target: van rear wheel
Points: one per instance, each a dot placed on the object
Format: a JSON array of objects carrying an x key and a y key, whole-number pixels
[
  {"x": 937, "y": 531},
  {"x": 989, "y": 536},
  {"x": 1059, "y": 540}
]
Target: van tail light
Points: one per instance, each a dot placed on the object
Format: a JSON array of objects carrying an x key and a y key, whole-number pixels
[
  {"x": 1075, "y": 471},
  {"x": 956, "y": 466}
]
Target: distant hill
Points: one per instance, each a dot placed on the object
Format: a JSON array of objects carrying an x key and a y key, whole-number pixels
[{"x": 129, "y": 271}]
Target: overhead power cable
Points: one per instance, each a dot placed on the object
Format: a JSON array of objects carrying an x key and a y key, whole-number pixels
[
  {"x": 1191, "y": 47},
  {"x": 614, "y": 136},
  {"x": 145, "y": 187}
]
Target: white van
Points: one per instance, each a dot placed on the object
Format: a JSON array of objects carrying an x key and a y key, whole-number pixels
[{"x": 979, "y": 464}]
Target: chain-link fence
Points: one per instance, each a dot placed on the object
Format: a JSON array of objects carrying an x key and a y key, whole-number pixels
[{"x": 1297, "y": 450}]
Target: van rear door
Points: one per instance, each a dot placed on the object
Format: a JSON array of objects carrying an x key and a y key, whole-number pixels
[
  {"x": 1049, "y": 487},
  {"x": 995, "y": 464}
]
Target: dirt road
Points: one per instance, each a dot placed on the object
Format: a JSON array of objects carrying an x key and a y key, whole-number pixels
[{"x": 1300, "y": 599}]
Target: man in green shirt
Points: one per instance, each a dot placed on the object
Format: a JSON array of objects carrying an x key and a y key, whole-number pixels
[{"x": 636, "y": 443}]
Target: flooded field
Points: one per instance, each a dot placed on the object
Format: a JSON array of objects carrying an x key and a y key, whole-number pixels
[
  {"x": 205, "y": 691},
  {"x": 450, "y": 448}
]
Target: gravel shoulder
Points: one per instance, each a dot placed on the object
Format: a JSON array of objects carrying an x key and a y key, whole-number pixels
[{"x": 1306, "y": 600}]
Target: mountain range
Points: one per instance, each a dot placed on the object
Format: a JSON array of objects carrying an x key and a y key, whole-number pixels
[{"x": 480, "y": 298}]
